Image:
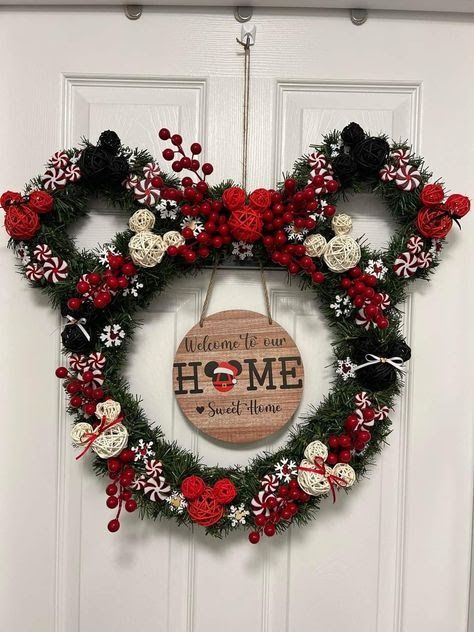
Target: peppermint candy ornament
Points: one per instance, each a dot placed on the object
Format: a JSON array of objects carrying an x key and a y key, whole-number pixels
[
  {"x": 326, "y": 175},
  {"x": 425, "y": 259},
  {"x": 59, "y": 160},
  {"x": 153, "y": 467},
  {"x": 96, "y": 360},
  {"x": 415, "y": 244},
  {"x": 157, "y": 488},
  {"x": 317, "y": 160},
  {"x": 400, "y": 156},
  {"x": 53, "y": 179},
  {"x": 55, "y": 270},
  {"x": 94, "y": 378},
  {"x": 407, "y": 178},
  {"x": 258, "y": 504},
  {"x": 77, "y": 362},
  {"x": 131, "y": 182},
  {"x": 385, "y": 304},
  {"x": 43, "y": 252},
  {"x": 146, "y": 193},
  {"x": 362, "y": 400},
  {"x": 138, "y": 483},
  {"x": 269, "y": 483},
  {"x": 151, "y": 170},
  {"x": 382, "y": 413},
  {"x": 34, "y": 272},
  {"x": 387, "y": 173},
  {"x": 72, "y": 173},
  {"x": 405, "y": 265},
  {"x": 362, "y": 319}
]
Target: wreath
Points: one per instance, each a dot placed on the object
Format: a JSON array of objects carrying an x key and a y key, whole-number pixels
[{"x": 177, "y": 225}]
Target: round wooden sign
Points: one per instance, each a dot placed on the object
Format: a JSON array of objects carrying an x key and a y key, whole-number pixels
[{"x": 238, "y": 378}]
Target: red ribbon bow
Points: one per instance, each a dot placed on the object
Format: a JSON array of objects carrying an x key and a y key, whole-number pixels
[
  {"x": 332, "y": 479},
  {"x": 101, "y": 428}
]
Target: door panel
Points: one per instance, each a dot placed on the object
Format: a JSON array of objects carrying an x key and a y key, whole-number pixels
[{"x": 394, "y": 554}]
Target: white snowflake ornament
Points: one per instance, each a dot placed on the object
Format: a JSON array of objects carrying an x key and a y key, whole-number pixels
[
  {"x": 242, "y": 250},
  {"x": 238, "y": 515},
  {"x": 143, "y": 451},
  {"x": 285, "y": 470},
  {"x": 346, "y": 369},
  {"x": 376, "y": 268},
  {"x": 112, "y": 335}
]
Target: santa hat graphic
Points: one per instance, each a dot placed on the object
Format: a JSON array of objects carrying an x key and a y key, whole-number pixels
[{"x": 228, "y": 369}]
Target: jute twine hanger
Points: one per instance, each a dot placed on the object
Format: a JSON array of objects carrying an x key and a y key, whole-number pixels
[{"x": 245, "y": 127}]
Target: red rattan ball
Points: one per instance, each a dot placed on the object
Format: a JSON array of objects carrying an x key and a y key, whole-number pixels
[
  {"x": 458, "y": 204},
  {"x": 233, "y": 198},
  {"x": 192, "y": 487},
  {"x": 432, "y": 194},
  {"x": 434, "y": 222},
  {"x": 205, "y": 510},
  {"x": 246, "y": 224},
  {"x": 224, "y": 491},
  {"x": 21, "y": 222}
]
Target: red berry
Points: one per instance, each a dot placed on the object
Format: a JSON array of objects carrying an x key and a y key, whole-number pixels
[
  {"x": 115, "y": 261},
  {"x": 87, "y": 376},
  {"x": 271, "y": 502},
  {"x": 269, "y": 529},
  {"x": 333, "y": 442},
  {"x": 382, "y": 323},
  {"x": 127, "y": 456},
  {"x": 112, "y": 502},
  {"x": 126, "y": 495},
  {"x": 168, "y": 154},
  {"x": 112, "y": 283},
  {"x": 293, "y": 484},
  {"x": 113, "y": 526},
  {"x": 164, "y": 133},
  {"x": 254, "y": 537},
  {"x": 370, "y": 311},
  {"x": 286, "y": 514},
  {"x": 371, "y": 280},
  {"x": 355, "y": 272},
  {"x": 61, "y": 372},
  {"x": 129, "y": 269},
  {"x": 317, "y": 277},
  {"x": 187, "y": 233},
  {"x": 190, "y": 256},
  {"x": 157, "y": 182},
  {"x": 94, "y": 278},
  {"x": 196, "y": 149},
  {"x": 76, "y": 401},
  {"x": 283, "y": 491},
  {"x": 346, "y": 283},
  {"x": 351, "y": 423},
  {"x": 345, "y": 441},
  {"x": 89, "y": 408},
  {"x": 363, "y": 436},
  {"x": 359, "y": 301},
  {"x": 260, "y": 520},
  {"x": 111, "y": 489},
  {"x": 130, "y": 505},
  {"x": 345, "y": 456},
  {"x": 82, "y": 287},
  {"x": 318, "y": 181},
  {"x": 332, "y": 458},
  {"x": 114, "y": 465},
  {"x": 97, "y": 394},
  {"x": 290, "y": 184},
  {"x": 368, "y": 414},
  {"x": 332, "y": 186},
  {"x": 304, "y": 497},
  {"x": 293, "y": 507},
  {"x": 122, "y": 282},
  {"x": 294, "y": 494},
  {"x": 329, "y": 210},
  {"x": 172, "y": 251},
  {"x": 207, "y": 169},
  {"x": 74, "y": 304}
]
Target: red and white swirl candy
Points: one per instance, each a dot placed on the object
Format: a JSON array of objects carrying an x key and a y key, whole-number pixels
[
  {"x": 381, "y": 413},
  {"x": 146, "y": 193},
  {"x": 53, "y": 179},
  {"x": 362, "y": 320},
  {"x": 317, "y": 160},
  {"x": 55, "y": 270},
  {"x": 326, "y": 175},
  {"x": 153, "y": 467},
  {"x": 96, "y": 360},
  {"x": 400, "y": 156},
  {"x": 151, "y": 170},
  {"x": 405, "y": 265},
  {"x": 269, "y": 483},
  {"x": 34, "y": 272},
  {"x": 78, "y": 362},
  {"x": 72, "y": 173},
  {"x": 130, "y": 182},
  {"x": 258, "y": 504},
  {"x": 425, "y": 259},
  {"x": 387, "y": 173},
  {"x": 362, "y": 423},
  {"x": 415, "y": 244},
  {"x": 139, "y": 483},
  {"x": 43, "y": 252},
  {"x": 60, "y": 159},
  {"x": 407, "y": 178},
  {"x": 362, "y": 400},
  {"x": 157, "y": 488},
  {"x": 385, "y": 301}
]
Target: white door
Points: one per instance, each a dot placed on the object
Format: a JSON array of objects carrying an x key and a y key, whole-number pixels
[{"x": 392, "y": 556}]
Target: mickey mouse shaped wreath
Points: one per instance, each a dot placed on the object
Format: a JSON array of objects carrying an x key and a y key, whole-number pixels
[{"x": 178, "y": 224}]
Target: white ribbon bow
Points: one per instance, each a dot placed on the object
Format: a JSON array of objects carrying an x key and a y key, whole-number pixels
[
  {"x": 80, "y": 323},
  {"x": 396, "y": 362}
]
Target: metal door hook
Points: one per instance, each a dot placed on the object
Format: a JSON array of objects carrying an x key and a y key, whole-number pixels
[
  {"x": 247, "y": 35},
  {"x": 358, "y": 16}
]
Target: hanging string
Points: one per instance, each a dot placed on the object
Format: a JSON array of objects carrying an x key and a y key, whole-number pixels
[
  {"x": 207, "y": 299},
  {"x": 266, "y": 295},
  {"x": 245, "y": 140}
]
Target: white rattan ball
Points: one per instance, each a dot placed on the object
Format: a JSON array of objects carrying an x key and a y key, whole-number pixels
[
  {"x": 79, "y": 432},
  {"x": 109, "y": 409},
  {"x": 341, "y": 224},
  {"x": 314, "y": 449},
  {"x": 141, "y": 220},
  {"x": 312, "y": 483},
  {"x": 346, "y": 472},
  {"x": 315, "y": 245},
  {"x": 342, "y": 253},
  {"x": 111, "y": 442},
  {"x": 173, "y": 238},
  {"x": 146, "y": 249}
]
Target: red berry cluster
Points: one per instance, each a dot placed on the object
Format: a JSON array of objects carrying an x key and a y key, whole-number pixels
[
  {"x": 361, "y": 289},
  {"x": 81, "y": 388},
  {"x": 118, "y": 492},
  {"x": 100, "y": 287},
  {"x": 354, "y": 439},
  {"x": 282, "y": 504}
]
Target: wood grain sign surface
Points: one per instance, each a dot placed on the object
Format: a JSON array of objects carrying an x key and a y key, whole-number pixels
[{"x": 238, "y": 378}]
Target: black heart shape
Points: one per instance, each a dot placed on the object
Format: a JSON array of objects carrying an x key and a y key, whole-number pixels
[{"x": 200, "y": 409}]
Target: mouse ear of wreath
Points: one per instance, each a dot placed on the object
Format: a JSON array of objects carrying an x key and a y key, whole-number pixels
[{"x": 379, "y": 366}]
